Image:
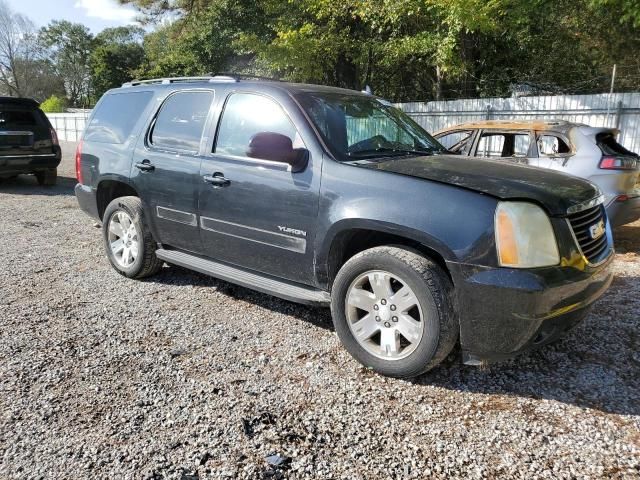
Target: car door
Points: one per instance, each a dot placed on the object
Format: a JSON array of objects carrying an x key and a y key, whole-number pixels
[
  {"x": 166, "y": 168},
  {"x": 255, "y": 212},
  {"x": 513, "y": 146}
]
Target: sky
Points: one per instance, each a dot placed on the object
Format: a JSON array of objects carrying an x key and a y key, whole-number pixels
[{"x": 95, "y": 14}]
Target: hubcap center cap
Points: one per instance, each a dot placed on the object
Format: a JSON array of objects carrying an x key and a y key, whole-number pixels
[{"x": 384, "y": 313}]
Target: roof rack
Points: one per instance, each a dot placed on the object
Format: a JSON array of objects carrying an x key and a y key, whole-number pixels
[{"x": 210, "y": 77}]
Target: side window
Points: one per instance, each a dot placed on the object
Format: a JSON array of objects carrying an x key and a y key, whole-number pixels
[
  {"x": 490, "y": 145},
  {"x": 457, "y": 142},
  {"x": 550, "y": 146},
  {"x": 181, "y": 120},
  {"x": 116, "y": 116},
  {"x": 504, "y": 145},
  {"x": 248, "y": 117}
]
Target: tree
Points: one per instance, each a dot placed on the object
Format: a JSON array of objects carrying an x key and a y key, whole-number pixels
[
  {"x": 54, "y": 104},
  {"x": 117, "y": 55},
  {"x": 17, "y": 49},
  {"x": 69, "y": 48}
]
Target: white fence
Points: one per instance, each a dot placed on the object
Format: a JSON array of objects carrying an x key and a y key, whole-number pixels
[
  {"x": 620, "y": 110},
  {"x": 69, "y": 126}
]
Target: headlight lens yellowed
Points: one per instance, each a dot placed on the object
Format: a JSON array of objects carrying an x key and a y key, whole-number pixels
[{"x": 524, "y": 236}]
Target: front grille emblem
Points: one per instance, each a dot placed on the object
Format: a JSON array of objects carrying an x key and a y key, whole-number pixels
[{"x": 596, "y": 231}]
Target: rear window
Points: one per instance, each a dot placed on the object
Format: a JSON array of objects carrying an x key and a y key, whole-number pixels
[
  {"x": 609, "y": 146},
  {"x": 16, "y": 117},
  {"x": 116, "y": 116}
]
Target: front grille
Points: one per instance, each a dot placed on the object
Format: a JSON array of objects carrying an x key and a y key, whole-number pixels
[{"x": 581, "y": 223}]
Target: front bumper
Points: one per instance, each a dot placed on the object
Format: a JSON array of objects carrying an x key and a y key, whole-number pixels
[
  {"x": 623, "y": 212},
  {"x": 505, "y": 311}
]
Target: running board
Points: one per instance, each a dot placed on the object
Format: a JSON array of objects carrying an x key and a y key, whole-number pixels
[{"x": 255, "y": 281}]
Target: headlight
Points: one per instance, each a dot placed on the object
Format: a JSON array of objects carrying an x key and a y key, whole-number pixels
[{"x": 524, "y": 236}]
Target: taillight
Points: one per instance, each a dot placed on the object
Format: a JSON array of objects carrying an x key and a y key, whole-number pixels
[
  {"x": 78, "y": 162},
  {"x": 54, "y": 137},
  {"x": 618, "y": 163},
  {"x": 622, "y": 198}
]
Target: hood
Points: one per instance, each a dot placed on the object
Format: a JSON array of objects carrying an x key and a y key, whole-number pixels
[{"x": 556, "y": 191}]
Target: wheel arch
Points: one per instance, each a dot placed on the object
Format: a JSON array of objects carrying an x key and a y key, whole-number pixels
[
  {"x": 348, "y": 238},
  {"x": 111, "y": 188}
]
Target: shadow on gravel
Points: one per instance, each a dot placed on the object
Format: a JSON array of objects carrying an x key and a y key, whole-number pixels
[
  {"x": 627, "y": 238},
  {"x": 28, "y": 185},
  {"x": 174, "y": 275}
]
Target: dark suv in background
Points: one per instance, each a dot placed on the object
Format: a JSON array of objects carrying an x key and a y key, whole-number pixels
[
  {"x": 28, "y": 142},
  {"x": 328, "y": 196}
]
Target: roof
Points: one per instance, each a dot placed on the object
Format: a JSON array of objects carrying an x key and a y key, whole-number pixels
[
  {"x": 19, "y": 101},
  {"x": 246, "y": 81},
  {"x": 552, "y": 125}
]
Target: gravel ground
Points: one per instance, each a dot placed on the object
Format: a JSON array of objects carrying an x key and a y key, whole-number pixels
[{"x": 183, "y": 376}]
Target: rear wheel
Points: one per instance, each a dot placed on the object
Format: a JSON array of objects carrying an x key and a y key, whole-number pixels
[
  {"x": 128, "y": 242},
  {"x": 392, "y": 309},
  {"x": 47, "y": 177}
]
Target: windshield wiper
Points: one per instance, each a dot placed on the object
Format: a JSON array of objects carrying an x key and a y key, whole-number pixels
[{"x": 373, "y": 152}]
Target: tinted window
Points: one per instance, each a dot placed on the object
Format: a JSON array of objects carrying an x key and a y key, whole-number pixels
[
  {"x": 115, "y": 117},
  {"x": 246, "y": 115},
  {"x": 180, "y": 123},
  {"x": 16, "y": 117}
]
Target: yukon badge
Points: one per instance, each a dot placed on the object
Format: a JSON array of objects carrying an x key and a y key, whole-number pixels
[
  {"x": 597, "y": 230},
  {"x": 294, "y": 231}
]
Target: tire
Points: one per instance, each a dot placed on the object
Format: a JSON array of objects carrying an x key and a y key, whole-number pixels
[
  {"x": 145, "y": 262},
  {"x": 48, "y": 177},
  {"x": 431, "y": 294}
]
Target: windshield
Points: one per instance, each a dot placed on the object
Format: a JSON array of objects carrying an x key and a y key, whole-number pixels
[{"x": 358, "y": 127}]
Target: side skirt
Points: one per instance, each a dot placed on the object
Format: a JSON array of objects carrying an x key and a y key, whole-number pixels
[{"x": 256, "y": 281}]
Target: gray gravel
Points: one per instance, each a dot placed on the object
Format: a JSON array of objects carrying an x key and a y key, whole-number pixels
[{"x": 184, "y": 376}]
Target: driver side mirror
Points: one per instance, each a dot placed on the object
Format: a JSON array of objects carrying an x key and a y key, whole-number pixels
[{"x": 277, "y": 148}]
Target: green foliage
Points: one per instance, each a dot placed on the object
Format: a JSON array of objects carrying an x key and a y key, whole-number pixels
[
  {"x": 54, "y": 104},
  {"x": 117, "y": 54},
  {"x": 403, "y": 49},
  {"x": 69, "y": 48}
]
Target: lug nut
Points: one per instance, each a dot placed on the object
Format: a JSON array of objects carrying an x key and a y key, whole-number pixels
[
  {"x": 392, "y": 307},
  {"x": 376, "y": 307},
  {"x": 395, "y": 319},
  {"x": 387, "y": 324},
  {"x": 377, "y": 319},
  {"x": 383, "y": 301}
]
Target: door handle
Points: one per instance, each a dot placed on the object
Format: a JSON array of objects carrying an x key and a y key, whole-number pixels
[
  {"x": 145, "y": 166},
  {"x": 217, "y": 180}
]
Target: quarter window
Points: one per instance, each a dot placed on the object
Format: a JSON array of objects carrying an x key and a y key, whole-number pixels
[
  {"x": 116, "y": 116},
  {"x": 550, "y": 146},
  {"x": 181, "y": 120},
  {"x": 246, "y": 115}
]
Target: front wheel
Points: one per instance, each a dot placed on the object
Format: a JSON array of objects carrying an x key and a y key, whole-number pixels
[
  {"x": 128, "y": 242},
  {"x": 393, "y": 310}
]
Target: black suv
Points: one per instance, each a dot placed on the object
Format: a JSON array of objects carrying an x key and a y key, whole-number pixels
[
  {"x": 328, "y": 196},
  {"x": 28, "y": 142}
]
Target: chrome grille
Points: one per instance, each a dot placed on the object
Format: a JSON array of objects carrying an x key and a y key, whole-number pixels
[{"x": 581, "y": 223}]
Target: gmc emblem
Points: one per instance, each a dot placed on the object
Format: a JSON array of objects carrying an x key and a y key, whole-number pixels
[{"x": 597, "y": 230}]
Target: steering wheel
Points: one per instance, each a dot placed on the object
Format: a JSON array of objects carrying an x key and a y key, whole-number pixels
[{"x": 369, "y": 144}]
